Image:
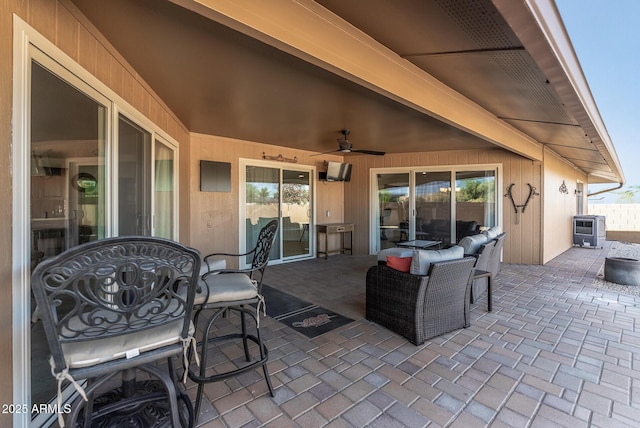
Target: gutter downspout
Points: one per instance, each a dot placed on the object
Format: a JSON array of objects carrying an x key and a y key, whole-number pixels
[{"x": 605, "y": 190}]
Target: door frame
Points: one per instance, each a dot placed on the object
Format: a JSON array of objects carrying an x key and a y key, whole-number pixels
[
  {"x": 242, "y": 213},
  {"x": 374, "y": 205},
  {"x": 29, "y": 45}
]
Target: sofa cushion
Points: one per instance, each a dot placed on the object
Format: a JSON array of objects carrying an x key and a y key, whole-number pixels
[
  {"x": 403, "y": 264},
  {"x": 466, "y": 228},
  {"x": 395, "y": 252},
  {"x": 471, "y": 244},
  {"x": 422, "y": 259},
  {"x": 492, "y": 232}
]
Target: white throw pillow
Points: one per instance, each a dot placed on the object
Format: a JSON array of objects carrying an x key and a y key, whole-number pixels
[{"x": 395, "y": 252}]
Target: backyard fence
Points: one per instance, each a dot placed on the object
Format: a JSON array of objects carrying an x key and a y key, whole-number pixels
[{"x": 623, "y": 220}]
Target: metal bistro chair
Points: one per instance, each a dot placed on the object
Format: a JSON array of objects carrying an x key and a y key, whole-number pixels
[
  {"x": 113, "y": 306},
  {"x": 234, "y": 290}
]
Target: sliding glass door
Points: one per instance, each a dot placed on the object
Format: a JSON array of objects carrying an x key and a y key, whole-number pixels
[
  {"x": 393, "y": 208},
  {"x": 433, "y": 204},
  {"x": 272, "y": 191},
  {"x": 475, "y": 202},
  {"x": 92, "y": 173}
]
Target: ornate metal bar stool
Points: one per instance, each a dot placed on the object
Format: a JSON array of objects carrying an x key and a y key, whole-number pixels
[
  {"x": 232, "y": 290},
  {"x": 115, "y": 306}
]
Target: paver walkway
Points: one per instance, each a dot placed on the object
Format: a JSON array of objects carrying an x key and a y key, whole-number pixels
[{"x": 555, "y": 351}]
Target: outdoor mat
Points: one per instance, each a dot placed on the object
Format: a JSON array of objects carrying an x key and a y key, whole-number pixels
[{"x": 304, "y": 317}]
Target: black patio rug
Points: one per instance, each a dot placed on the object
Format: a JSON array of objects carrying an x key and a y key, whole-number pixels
[{"x": 302, "y": 316}]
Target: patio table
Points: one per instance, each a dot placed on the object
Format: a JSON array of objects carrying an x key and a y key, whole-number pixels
[{"x": 419, "y": 244}]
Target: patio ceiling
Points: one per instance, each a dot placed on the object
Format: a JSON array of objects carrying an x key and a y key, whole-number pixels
[{"x": 222, "y": 74}]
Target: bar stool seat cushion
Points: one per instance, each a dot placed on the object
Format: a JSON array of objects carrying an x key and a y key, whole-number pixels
[
  {"x": 90, "y": 353},
  {"x": 228, "y": 287}
]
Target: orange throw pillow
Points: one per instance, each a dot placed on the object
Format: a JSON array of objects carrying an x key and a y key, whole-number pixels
[{"x": 403, "y": 264}]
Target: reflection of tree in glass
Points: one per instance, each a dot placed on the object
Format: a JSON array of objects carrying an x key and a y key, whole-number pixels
[
  {"x": 254, "y": 194},
  {"x": 251, "y": 193},
  {"x": 293, "y": 193},
  {"x": 475, "y": 191},
  {"x": 263, "y": 195},
  {"x": 384, "y": 195}
]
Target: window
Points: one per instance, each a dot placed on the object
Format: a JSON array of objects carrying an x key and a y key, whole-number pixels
[{"x": 432, "y": 203}]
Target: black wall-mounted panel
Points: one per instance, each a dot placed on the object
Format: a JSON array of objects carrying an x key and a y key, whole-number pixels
[{"x": 215, "y": 176}]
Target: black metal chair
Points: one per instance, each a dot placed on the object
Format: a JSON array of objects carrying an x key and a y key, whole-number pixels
[
  {"x": 114, "y": 306},
  {"x": 234, "y": 290}
]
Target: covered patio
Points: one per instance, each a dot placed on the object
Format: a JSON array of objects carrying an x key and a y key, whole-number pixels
[
  {"x": 478, "y": 90},
  {"x": 555, "y": 351}
]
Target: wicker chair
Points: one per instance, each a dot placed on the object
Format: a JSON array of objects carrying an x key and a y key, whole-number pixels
[
  {"x": 479, "y": 285},
  {"x": 420, "y": 307},
  {"x": 494, "y": 261}
]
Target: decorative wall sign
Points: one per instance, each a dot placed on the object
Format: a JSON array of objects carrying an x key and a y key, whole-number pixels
[
  {"x": 563, "y": 188},
  {"x": 516, "y": 207}
]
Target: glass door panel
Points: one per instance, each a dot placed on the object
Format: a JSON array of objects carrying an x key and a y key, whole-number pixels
[
  {"x": 262, "y": 197},
  {"x": 296, "y": 213},
  {"x": 475, "y": 202},
  {"x": 393, "y": 201},
  {"x": 68, "y": 203},
  {"x": 164, "y": 196},
  {"x": 433, "y": 206},
  {"x": 134, "y": 179}
]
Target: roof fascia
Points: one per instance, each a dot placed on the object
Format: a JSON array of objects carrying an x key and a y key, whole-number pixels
[{"x": 550, "y": 46}]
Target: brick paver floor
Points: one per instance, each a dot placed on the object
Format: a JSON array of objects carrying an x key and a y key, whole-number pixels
[{"x": 555, "y": 351}]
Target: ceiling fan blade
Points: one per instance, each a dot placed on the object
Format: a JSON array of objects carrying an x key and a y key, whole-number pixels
[
  {"x": 369, "y": 152},
  {"x": 324, "y": 153}
]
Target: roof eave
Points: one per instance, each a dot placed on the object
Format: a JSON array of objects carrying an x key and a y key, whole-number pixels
[{"x": 540, "y": 28}]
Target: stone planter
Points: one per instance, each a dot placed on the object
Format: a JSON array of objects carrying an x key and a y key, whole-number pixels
[{"x": 622, "y": 270}]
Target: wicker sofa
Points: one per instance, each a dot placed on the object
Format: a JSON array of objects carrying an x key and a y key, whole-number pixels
[{"x": 420, "y": 307}]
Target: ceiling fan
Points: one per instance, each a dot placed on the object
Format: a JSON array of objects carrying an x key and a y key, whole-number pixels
[{"x": 345, "y": 146}]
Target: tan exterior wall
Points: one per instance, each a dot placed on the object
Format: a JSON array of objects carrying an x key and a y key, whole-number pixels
[
  {"x": 559, "y": 208},
  {"x": 59, "y": 22},
  {"x": 523, "y": 241},
  {"x": 222, "y": 209}
]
